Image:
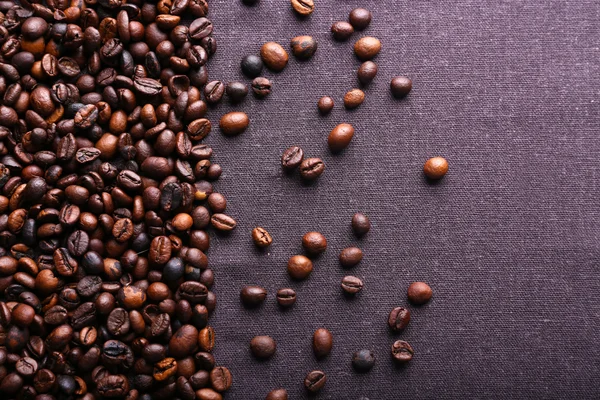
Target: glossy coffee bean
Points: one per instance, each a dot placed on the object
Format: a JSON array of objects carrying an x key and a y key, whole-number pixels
[
  {"x": 263, "y": 347},
  {"x": 402, "y": 352},
  {"x": 325, "y": 105},
  {"x": 315, "y": 381},
  {"x": 367, "y": 48},
  {"x": 252, "y": 66},
  {"x": 236, "y": 91},
  {"x": 398, "y": 319},
  {"x": 299, "y": 267},
  {"x": 220, "y": 379},
  {"x": 277, "y": 394},
  {"x": 435, "y": 168},
  {"x": 351, "y": 284},
  {"x": 274, "y": 55},
  {"x": 322, "y": 342},
  {"x": 367, "y": 72},
  {"x": 360, "y": 18},
  {"x": 292, "y": 158},
  {"x": 419, "y": 293},
  {"x": 234, "y": 123},
  {"x": 253, "y": 296},
  {"x": 213, "y": 92},
  {"x": 342, "y": 30},
  {"x": 350, "y": 256},
  {"x": 363, "y": 360},
  {"x": 222, "y": 222},
  {"x": 286, "y": 297},
  {"x": 360, "y": 224},
  {"x": 314, "y": 243},
  {"x": 311, "y": 168},
  {"x": 340, "y": 137},
  {"x": 303, "y": 7},
  {"x": 261, "y": 237},
  {"x": 400, "y": 86},
  {"x": 303, "y": 47}
]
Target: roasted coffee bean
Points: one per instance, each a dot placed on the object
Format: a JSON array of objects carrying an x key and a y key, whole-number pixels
[
  {"x": 360, "y": 18},
  {"x": 303, "y": 47},
  {"x": 113, "y": 386},
  {"x": 367, "y": 48},
  {"x": 208, "y": 394},
  {"x": 147, "y": 86},
  {"x": 303, "y": 7},
  {"x": 367, "y": 72},
  {"x": 200, "y": 28},
  {"x": 360, "y": 224},
  {"x": 419, "y": 293},
  {"x": 315, "y": 381},
  {"x": 220, "y": 379},
  {"x": 222, "y": 222},
  {"x": 286, "y": 297},
  {"x": 351, "y": 284},
  {"x": 398, "y": 319},
  {"x": 354, "y": 98},
  {"x": 322, "y": 342},
  {"x": 263, "y": 347},
  {"x": 78, "y": 243},
  {"x": 164, "y": 369},
  {"x": 342, "y": 30},
  {"x": 26, "y": 366},
  {"x": 65, "y": 264},
  {"x": 56, "y": 315},
  {"x": 87, "y": 154},
  {"x": 234, "y": 123},
  {"x": 184, "y": 341},
  {"x": 402, "y": 352},
  {"x": 277, "y": 394},
  {"x": 274, "y": 55},
  {"x": 213, "y": 92},
  {"x": 350, "y": 256},
  {"x": 22, "y": 315},
  {"x": 340, "y": 137},
  {"x": 291, "y": 158},
  {"x": 325, "y": 105},
  {"x": 311, "y": 168},
  {"x": 261, "y": 87},
  {"x": 363, "y": 360},
  {"x": 198, "y": 129},
  {"x": 261, "y": 237},
  {"x": 193, "y": 292},
  {"x": 400, "y": 86},
  {"x": 435, "y": 168},
  {"x": 253, "y": 296},
  {"x": 314, "y": 243},
  {"x": 236, "y": 91},
  {"x": 299, "y": 267},
  {"x": 206, "y": 339},
  {"x": 252, "y": 66}
]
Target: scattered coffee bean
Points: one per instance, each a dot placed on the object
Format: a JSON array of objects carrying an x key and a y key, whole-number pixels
[
  {"x": 360, "y": 224},
  {"x": 350, "y": 256},
  {"x": 351, "y": 284},
  {"x": 435, "y": 168},
  {"x": 342, "y": 30},
  {"x": 252, "y": 66},
  {"x": 261, "y": 237},
  {"x": 419, "y": 293},
  {"x": 325, "y": 105},
  {"x": 274, "y": 56},
  {"x": 340, "y": 137},
  {"x": 402, "y": 352},
  {"x": 213, "y": 92},
  {"x": 314, "y": 243},
  {"x": 367, "y": 47},
  {"x": 399, "y": 319},
  {"x": 234, "y": 123},
  {"x": 315, "y": 381},
  {"x": 299, "y": 267},
  {"x": 303, "y": 7},
  {"x": 322, "y": 342},
  {"x": 367, "y": 72},
  {"x": 263, "y": 347},
  {"x": 360, "y": 18},
  {"x": 222, "y": 222},
  {"x": 363, "y": 360},
  {"x": 354, "y": 98},
  {"x": 236, "y": 91},
  {"x": 253, "y": 296},
  {"x": 286, "y": 297},
  {"x": 303, "y": 47},
  {"x": 292, "y": 158},
  {"x": 261, "y": 87},
  {"x": 277, "y": 394},
  {"x": 400, "y": 86},
  {"x": 311, "y": 168}
]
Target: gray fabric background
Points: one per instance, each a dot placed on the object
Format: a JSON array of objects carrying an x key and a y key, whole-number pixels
[{"x": 508, "y": 92}]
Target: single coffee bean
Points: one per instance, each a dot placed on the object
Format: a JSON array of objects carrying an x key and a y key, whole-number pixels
[
  {"x": 350, "y": 256},
  {"x": 351, "y": 284},
  {"x": 286, "y": 297},
  {"x": 213, "y": 92},
  {"x": 291, "y": 158},
  {"x": 299, "y": 267},
  {"x": 303, "y": 47},
  {"x": 200, "y": 28},
  {"x": 220, "y": 379},
  {"x": 360, "y": 224},
  {"x": 234, "y": 123},
  {"x": 402, "y": 352},
  {"x": 342, "y": 30},
  {"x": 360, "y": 18},
  {"x": 184, "y": 341},
  {"x": 314, "y": 243},
  {"x": 419, "y": 293},
  {"x": 252, "y": 66},
  {"x": 303, "y": 7},
  {"x": 236, "y": 91},
  {"x": 363, "y": 360},
  {"x": 435, "y": 168},
  {"x": 208, "y": 394},
  {"x": 340, "y": 137},
  {"x": 400, "y": 86},
  {"x": 354, "y": 98},
  {"x": 206, "y": 339},
  {"x": 315, "y": 381},
  {"x": 322, "y": 342},
  {"x": 222, "y": 222},
  {"x": 325, "y": 105},
  {"x": 274, "y": 56},
  {"x": 261, "y": 237},
  {"x": 261, "y": 87},
  {"x": 263, "y": 347},
  {"x": 26, "y": 366},
  {"x": 311, "y": 168},
  {"x": 277, "y": 394},
  {"x": 253, "y": 296},
  {"x": 367, "y": 72},
  {"x": 367, "y": 47},
  {"x": 399, "y": 319},
  {"x": 164, "y": 369}
]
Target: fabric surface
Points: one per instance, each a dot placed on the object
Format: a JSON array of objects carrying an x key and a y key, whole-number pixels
[{"x": 507, "y": 91}]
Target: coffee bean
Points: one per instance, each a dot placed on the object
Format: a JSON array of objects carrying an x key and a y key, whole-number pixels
[
  {"x": 208, "y": 394},
  {"x": 363, "y": 360},
  {"x": 350, "y": 256},
  {"x": 261, "y": 237},
  {"x": 118, "y": 322},
  {"x": 367, "y": 72},
  {"x": 213, "y": 92},
  {"x": 360, "y": 18},
  {"x": 236, "y": 91},
  {"x": 314, "y": 243},
  {"x": 277, "y": 394},
  {"x": 322, "y": 342},
  {"x": 325, "y": 105},
  {"x": 342, "y": 30},
  {"x": 113, "y": 386},
  {"x": 354, "y": 98},
  {"x": 400, "y": 86},
  {"x": 367, "y": 47},
  {"x": 261, "y": 87},
  {"x": 263, "y": 347},
  {"x": 206, "y": 339},
  {"x": 222, "y": 222},
  {"x": 315, "y": 381},
  {"x": 311, "y": 168},
  {"x": 435, "y": 168},
  {"x": 184, "y": 341},
  {"x": 351, "y": 284},
  {"x": 292, "y": 158},
  {"x": 274, "y": 55},
  {"x": 398, "y": 319},
  {"x": 360, "y": 224},
  {"x": 299, "y": 267},
  {"x": 252, "y": 66},
  {"x": 303, "y": 7},
  {"x": 234, "y": 123},
  {"x": 220, "y": 379},
  {"x": 200, "y": 28},
  {"x": 253, "y": 296},
  {"x": 199, "y": 128},
  {"x": 419, "y": 293},
  {"x": 26, "y": 366},
  {"x": 340, "y": 137},
  {"x": 286, "y": 297},
  {"x": 303, "y": 47},
  {"x": 402, "y": 352}
]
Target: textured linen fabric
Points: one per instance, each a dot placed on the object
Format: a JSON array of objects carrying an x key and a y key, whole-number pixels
[{"x": 508, "y": 92}]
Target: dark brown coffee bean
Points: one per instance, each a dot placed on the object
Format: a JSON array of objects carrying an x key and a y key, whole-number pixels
[
  {"x": 208, "y": 394},
  {"x": 26, "y": 366},
  {"x": 56, "y": 315},
  {"x": 206, "y": 339},
  {"x": 299, "y": 267},
  {"x": 274, "y": 55},
  {"x": 193, "y": 292},
  {"x": 435, "y": 168},
  {"x": 419, "y": 293},
  {"x": 200, "y": 28},
  {"x": 222, "y": 222},
  {"x": 234, "y": 123},
  {"x": 147, "y": 86},
  {"x": 367, "y": 72},
  {"x": 400, "y": 86},
  {"x": 113, "y": 386},
  {"x": 65, "y": 264},
  {"x": 367, "y": 48},
  {"x": 286, "y": 297},
  {"x": 78, "y": 243},
  {"x": 342, "y": 30},
  {"x": 340, "y": 137},
  {"x": 363, "y": 360},
  {"x": 350, "y": 256},
  {"x": 303, "y": 47},
  {"x": 263, "y": 347},
  {"x": 236, "y": 91},
  {"x": 303, "y": 7},
  {"x": 311, "y": 168},
  {"x": 213, "y": 92},
  {"x": 402, "y": 352},
  {"x": 87, "y": 154},
  {"x": 199, "y": 128},
  {"x": 360, "y": 224},
  {"x": 360, "y": 18},
  {"x": 261, "y": 237},
  {"x": 314, "y": 243},
  {"x": 354, "y": 98},
  {"x": 277, "y": 394},
  {"x": 398, "y": 319},
  {"x": 351, "y": 284},
  {"x": 261, "y": 87},
  {"x": 291, "y": 158},
  {"x": 184, "y": 341},
  {"x": 220, "y": 379},
  {"x": 315, "y": 381},
  {"x": 22, "y": 315},
  {"x": 123, "y": 230},
  {"x": 322, "y": 342},
  {"x": 253, "y": 296},
  {"x": 325, "y": 105},
  {"x": 118, "y": 322}
]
